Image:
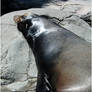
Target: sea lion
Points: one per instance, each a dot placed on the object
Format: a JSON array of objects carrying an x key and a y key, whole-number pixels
[{"x": 63, "y": 59}]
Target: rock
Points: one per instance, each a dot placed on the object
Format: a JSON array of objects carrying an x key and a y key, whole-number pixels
[
  {"x": 20, "y": 86},
  {"x": 16, "y": 55},
  {"x": 4, "y": 89},
  {"x": 17, "y": 86},
  {"x": 87, "y": 17},
  {"x": 18, "y": 63},
  {"x": 77, "y": 26}
]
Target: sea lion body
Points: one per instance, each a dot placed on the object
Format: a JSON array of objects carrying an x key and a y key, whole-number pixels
[{"x": 63, "y": 59}]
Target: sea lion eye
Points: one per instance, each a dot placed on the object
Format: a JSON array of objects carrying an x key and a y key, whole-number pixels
[
  {"x": 28, "y": 23},
  {"x": 24, "y": 25},
  {"x": 27, "y": 26}
]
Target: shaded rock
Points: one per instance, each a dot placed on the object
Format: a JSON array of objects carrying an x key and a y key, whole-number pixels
[
  {"x": 87, "y": 17},
  {"x": 5, "y": 81},
  {"x": 20, "y": 86}
]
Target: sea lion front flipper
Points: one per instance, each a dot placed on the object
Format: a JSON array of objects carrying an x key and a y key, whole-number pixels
[{"x": 42, "y": 84}]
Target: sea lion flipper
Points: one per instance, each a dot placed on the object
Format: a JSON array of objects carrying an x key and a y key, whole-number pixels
[{"x": 42, "y": 84}]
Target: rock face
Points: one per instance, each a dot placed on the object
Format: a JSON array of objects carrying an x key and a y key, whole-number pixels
[
  {"x": 16, "y": 58},
  {"x": 18, "y": 68}
]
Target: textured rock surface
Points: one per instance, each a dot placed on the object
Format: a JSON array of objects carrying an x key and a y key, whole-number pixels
[
  {"x": 17, "y": 60},
  {"x": 78, "y": 26},
  {"x": 18, "y": 69}
]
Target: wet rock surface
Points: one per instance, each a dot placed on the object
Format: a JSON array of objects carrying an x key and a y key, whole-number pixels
[{"x": 18, "y": 68}]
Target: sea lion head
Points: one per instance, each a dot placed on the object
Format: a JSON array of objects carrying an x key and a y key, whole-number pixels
[{"x": 30, "y": 25}]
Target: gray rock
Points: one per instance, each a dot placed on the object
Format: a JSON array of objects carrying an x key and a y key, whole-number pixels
[
  {"x": 20, "y": 86},
  {"x": 77, "y": 26},
  {"x": 87, "y": 17},
  {"x": 16, "y": 56},
  {"x": 4, "y": 89}
]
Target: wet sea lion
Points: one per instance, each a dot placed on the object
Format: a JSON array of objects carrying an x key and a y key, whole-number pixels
[{"x": 63, "y": 59}]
